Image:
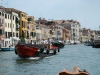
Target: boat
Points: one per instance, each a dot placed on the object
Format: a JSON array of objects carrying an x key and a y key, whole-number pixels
[
  {"x": 29, "y": 50},
  {"x": 80, "y": 73},
  {"x": 76, "y": 71},
  {"x": 58, "y": 43},
  {"x": 7, "y": 48},
  {"x": 88, "y": 43},
  {"x": 10, "y": 47},
  {"x": 96, "y": 43}
]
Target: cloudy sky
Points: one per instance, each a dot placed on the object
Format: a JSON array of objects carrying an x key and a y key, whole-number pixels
[{"x": 87, "y": 12}]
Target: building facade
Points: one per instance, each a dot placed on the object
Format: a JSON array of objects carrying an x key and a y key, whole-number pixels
[
  {"x": 2, "y": 20},
  {"x": 31, "y": 29}
]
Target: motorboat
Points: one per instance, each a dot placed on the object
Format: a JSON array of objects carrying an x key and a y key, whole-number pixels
[
  {"x": 96, "y": 43},
  {"x": 10, "y": 48},
  {"x": 29, "y": 50},
  {"x": 58, "y": 43},
  {"x": 88, "y": 43}
]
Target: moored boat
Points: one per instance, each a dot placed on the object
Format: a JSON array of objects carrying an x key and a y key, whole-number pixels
[
  {"x": 96, "y": 43},
  {"x": 88, "y": 43},
  {"x": 28, "y": 50},
  {"x": 7, "y": 48}
]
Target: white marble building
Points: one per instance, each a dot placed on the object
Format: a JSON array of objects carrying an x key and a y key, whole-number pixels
[{"x": 11, "y": 28}]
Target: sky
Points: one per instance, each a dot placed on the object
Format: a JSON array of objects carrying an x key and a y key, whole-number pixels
[{"x": 87, "y": 12}]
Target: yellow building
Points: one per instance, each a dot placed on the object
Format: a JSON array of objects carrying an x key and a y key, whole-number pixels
[{"x": 23, "y": 31}]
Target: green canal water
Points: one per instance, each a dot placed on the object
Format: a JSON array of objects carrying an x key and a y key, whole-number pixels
[{"x": 85, "y": 57}]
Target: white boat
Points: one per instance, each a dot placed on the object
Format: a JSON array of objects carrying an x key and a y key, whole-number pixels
[{"x": 7, "y": 48}]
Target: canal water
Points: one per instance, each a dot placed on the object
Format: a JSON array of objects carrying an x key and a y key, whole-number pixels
[{"x": 85, "y": 57}]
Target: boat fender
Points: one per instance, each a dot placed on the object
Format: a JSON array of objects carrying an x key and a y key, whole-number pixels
[
  {"x": 47, "y": 52},
  {"x": 54, "y": 52},
  {"x": 41, "y": 50}
]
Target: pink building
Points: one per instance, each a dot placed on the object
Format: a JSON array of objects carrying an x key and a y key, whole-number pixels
[{"x": 2, "y": 18}]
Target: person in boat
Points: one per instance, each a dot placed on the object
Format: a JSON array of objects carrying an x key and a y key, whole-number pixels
[
  {"x": 49, "y": 43},
  {"x": 75, "y": 70},
  {"x": 43, "y": 42}
]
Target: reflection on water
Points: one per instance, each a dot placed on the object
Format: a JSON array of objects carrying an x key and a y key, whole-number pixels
[{"x": 85, "y": 57}]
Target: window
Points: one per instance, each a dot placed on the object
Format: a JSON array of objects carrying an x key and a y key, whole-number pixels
[
  {"x": 6, "y": 16},
  {"x": 0, "y": 20},
  {"x": 16, "y": 34},
  {"x": 58, "y": 33},
  {"x": 13, "y": 34},
  {"x": 6, "y": 34},
  {"x": 0, "y": 31},
  {"x": 0, "y": 13},
  {"x": 13, "y": 17}
]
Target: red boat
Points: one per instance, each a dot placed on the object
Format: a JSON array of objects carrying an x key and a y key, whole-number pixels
[{"x": 28, "y": 50}]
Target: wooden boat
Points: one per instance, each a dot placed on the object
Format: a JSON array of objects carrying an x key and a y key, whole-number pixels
[
  {"x": 96, "y": 43},
  {"x": 28, "y": 50},
  {"x": 84, "y": 72}
]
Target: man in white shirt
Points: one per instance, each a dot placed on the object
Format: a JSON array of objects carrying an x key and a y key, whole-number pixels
[{"x": 43, "y": 41}]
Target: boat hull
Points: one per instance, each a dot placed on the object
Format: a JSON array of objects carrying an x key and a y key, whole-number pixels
[
  {"x": 96, "y": 45},
  {"x": 60, "y": 45},
  {"x": 27, "y": 51}
]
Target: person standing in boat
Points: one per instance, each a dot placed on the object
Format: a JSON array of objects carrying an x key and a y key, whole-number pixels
[
  {"x": 43, "y": 42},
  {"x": 49, "y": 43}
]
